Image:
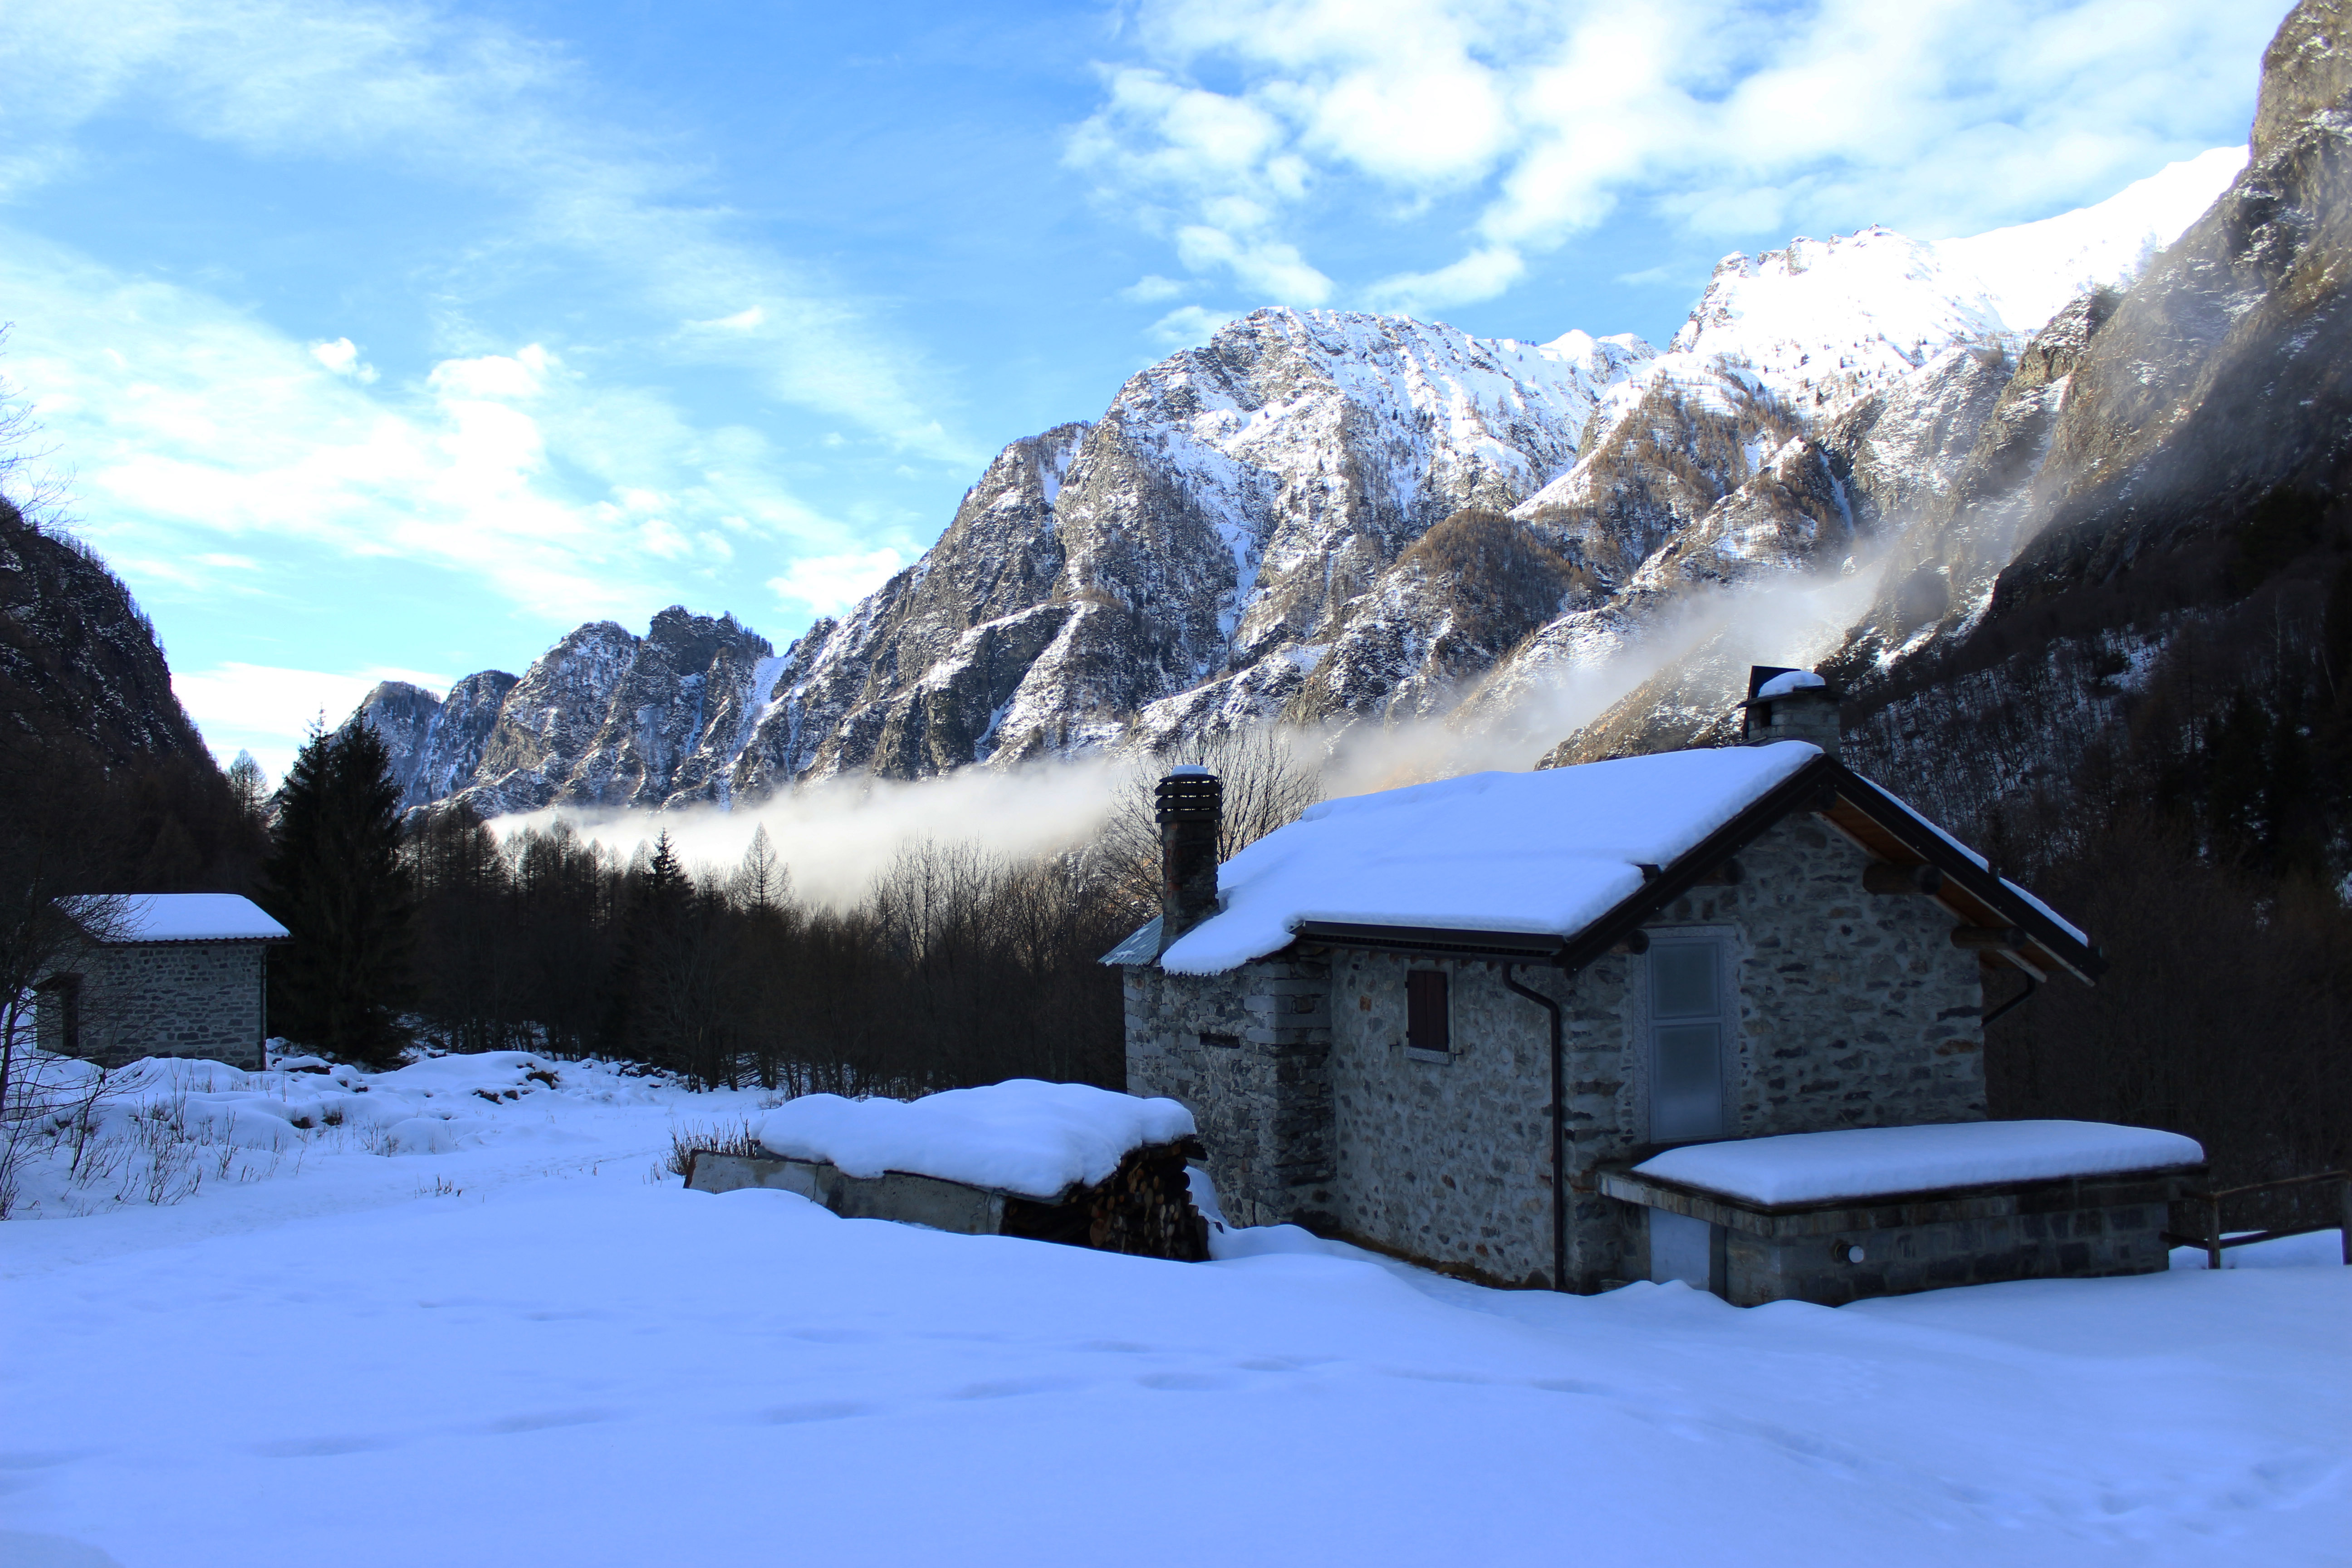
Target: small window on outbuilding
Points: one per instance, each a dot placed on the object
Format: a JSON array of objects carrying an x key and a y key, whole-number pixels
[{"x": 1428, "y": 1011}]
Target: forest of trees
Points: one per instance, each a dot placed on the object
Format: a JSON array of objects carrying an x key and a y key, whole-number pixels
[{"x": 955, "y": 967}]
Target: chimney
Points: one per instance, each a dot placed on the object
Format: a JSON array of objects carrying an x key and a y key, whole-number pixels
[
  {"x": 1189, "y": 804},
  {"x": 1790, "y": 705}
]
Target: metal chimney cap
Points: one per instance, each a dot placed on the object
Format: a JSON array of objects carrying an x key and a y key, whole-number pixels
[{"x": 1196, "y": 795}]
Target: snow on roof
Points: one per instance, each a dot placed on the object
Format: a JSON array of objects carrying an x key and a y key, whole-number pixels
[
  {"x": 195, "y": 917},
  {"x": 1546, "y": 852},
  {"x": 1793, "y": 680},
  {"x": 1021, "y": 1136},
  {"x": 1876, "y": 1162}
]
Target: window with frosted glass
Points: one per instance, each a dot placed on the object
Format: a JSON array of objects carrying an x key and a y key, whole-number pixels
[{"x": 1686, "y": 1040}]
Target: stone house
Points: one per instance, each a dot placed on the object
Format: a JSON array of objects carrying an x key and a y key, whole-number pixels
[
  {"x": 1445, "y": 1020},
  {"x": 163, "y": 974}
]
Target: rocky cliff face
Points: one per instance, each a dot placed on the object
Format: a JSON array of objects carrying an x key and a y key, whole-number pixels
[
  {"x": 78, "y": 660},
  {"x": 1338, "y": 519},
  {"x": 435, "y": 744},
  {"x": 604, "y": 719}
]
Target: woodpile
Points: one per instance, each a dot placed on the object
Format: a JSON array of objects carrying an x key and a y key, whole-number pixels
[{"x": 1146, "y": 1206}]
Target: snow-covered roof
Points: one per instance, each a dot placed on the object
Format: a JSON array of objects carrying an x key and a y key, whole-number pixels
[
  {"x": 1021, "y": 1136},
  {"x": 195, "y": 917},
  {"x": 1789, "y": 681},
  {"x": 1878, "y": 1162},
  {"x": 1545, "y": 853}
]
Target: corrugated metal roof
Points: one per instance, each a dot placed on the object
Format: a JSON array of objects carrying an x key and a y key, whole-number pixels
[{"x": 1142, "y": 947}]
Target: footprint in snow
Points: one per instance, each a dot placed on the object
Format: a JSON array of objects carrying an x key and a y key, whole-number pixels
[
  {"x": 816, "y": 1410},
  {"x": 325, "y": 1447}
]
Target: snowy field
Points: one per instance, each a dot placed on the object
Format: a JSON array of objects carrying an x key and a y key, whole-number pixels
[{"x": 456, "y": 1322}]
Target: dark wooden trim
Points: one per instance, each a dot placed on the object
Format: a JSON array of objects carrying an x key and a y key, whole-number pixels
[
  {"x": 1965, "y": 882},
  {"x": 1530, "y": 947}
]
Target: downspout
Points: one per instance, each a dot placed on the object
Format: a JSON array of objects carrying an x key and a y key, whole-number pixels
[
  {"x": 2032, "y": 986},
  {"x": 1558, "y": 1129}
]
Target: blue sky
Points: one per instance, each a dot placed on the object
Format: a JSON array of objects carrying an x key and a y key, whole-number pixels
[{"x": 389, "y": 338}]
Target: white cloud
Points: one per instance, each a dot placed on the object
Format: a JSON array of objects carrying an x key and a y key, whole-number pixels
[
  {"x": 1481, "y": 275},
  {"x": 267, "y": 710},
  {"x": 342, "y": 357},
  {"x": 1726, "y": 118},
  {"x": 828, "y": 585},
  {"x": 1151, "y": 289},
  {"x": 194, "y": 428},
  {"x": 1189, "y": 325},
  {"x": 471, "y": 104}
]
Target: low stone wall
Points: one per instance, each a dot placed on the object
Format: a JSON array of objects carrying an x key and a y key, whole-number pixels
[
  {"x": 1143, "y": 1208},
  {"x": 1830, "y": 1254}
]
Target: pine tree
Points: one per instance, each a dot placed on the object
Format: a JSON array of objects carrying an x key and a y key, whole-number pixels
[{"x": 334, "y": 879}]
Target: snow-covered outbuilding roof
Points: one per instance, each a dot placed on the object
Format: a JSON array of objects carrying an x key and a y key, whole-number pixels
[
  {"x": 1558, "y": 865},
  {"x": 193, "y": 917},
  {"x": 1023, "y": 1136}
]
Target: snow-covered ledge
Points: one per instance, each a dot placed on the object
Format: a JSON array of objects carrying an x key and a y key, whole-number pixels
[
  {"x": 1831, "y": 1217},
  {"x": 1881, "y": 1161}
]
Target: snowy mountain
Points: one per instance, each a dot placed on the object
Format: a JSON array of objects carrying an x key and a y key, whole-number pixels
[
  {"x": 2141, "y": 464},
  {"x": 1337, "y": 519}
]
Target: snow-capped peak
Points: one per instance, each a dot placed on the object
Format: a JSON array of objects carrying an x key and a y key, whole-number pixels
[
  {"x": 2028, "y": 272},
  {"x": 1825, "y": 320}
]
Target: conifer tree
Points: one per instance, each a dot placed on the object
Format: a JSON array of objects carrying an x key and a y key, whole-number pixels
[{"x": 334, "y": 879}]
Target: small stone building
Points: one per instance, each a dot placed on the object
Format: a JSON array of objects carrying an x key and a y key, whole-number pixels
[
  {"x": 163, "y": 974},
  {"x": 1436, "y": 1021}
]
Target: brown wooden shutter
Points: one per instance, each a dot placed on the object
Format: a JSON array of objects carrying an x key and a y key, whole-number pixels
[{"x": 1427, "y": 1021}]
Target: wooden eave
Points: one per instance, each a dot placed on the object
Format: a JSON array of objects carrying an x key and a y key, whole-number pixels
[{"x": 1856, "y": 807}]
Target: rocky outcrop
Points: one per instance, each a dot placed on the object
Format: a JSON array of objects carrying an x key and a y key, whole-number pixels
[
  {"x": 435, "y": 744},
  {"x": 2225, "y": 375},
  {"x": 78, "y": 659}
]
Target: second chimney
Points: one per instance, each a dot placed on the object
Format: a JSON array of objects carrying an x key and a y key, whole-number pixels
[
  {"x": 1189, "y": 804},
  {"x": 1791, "y": 705}
]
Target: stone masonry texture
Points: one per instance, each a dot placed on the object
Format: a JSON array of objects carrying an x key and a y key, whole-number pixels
[
  {"x": 1854, "y": 1010},
  {"x": 167, "y": 999}
]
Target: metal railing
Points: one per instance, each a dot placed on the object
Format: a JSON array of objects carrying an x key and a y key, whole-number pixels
[{"x": 2213, "y": 1240}]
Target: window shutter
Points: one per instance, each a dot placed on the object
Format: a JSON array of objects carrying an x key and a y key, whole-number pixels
[{"x": 1427, "y": 1021}]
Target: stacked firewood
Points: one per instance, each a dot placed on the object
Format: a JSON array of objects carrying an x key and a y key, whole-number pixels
[{"x": 1145, "y": 1207}]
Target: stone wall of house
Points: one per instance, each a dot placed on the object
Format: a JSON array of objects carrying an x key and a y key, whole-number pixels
[
  {"x": 1444, "y": 1156},
  {"x": 167, "y": 999},
  {"x": 1249, "y": 1054},
  {"x": 1854, "y": 1010}
]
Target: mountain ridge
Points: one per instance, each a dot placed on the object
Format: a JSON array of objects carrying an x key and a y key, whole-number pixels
[{"x": 1332, "y": 519}]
